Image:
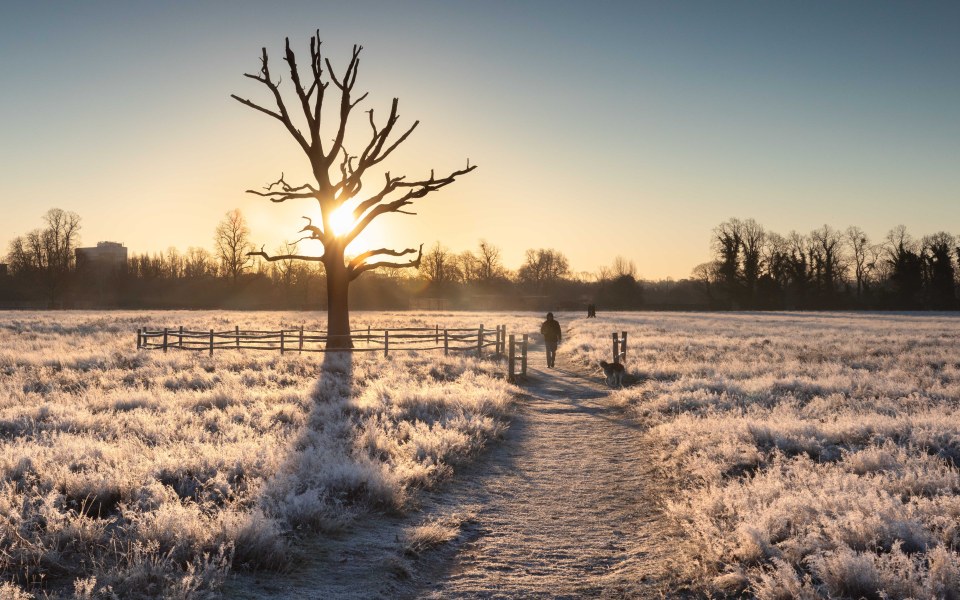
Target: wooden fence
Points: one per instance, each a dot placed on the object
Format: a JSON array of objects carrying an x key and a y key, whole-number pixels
[{"x": 299, "y": 340}]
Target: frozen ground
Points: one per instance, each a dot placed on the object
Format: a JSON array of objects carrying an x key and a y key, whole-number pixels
[
  {"x": 770, "y": 455},
  {"x": 149, "y": 474},
  {"x": 819, "y": 451},
  {"x": 568, "y": 504}
]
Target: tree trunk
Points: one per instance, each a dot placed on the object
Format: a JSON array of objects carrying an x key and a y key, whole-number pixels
[{"x": 338, "y": 311}]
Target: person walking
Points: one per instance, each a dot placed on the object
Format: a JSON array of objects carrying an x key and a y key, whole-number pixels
[{"x": 551, "y": 337}]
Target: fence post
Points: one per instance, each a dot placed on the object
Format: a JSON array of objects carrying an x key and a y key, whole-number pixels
[
  {"x": 511, "y": 359},
  {"x": 498, "y": 353},
  {"x": 180, "y": 338},
  {"x": 523, "y": 360},
  {"x": 386, "y": 342},
  {"x": 446, "y": 342},
  {"x": 138, "y": 338},
  {"x": 623, "y": 345},
  {"x": 437, "y": 332},
  {"x": 300, "y": 351},
  {"x": 369, "y": 341},
  {"x": 211, "y": 342},
  {"x": 503, "y": 339},
  {"x": 616, "y": 348},
  {"x": 281, "y": 340},
  {"x": 236, "y": 334},
  {"x": 480, "y": 341},
  {"x": 164, "y": 339}
]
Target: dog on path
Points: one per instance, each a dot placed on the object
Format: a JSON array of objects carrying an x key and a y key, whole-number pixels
[{"x": 613, "y": 372}]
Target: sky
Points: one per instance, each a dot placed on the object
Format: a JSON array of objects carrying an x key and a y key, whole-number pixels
[{"x": 600, "y": 129}]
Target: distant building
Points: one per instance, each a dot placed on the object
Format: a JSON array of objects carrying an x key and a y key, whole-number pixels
[{"x": 104, "y": 255}]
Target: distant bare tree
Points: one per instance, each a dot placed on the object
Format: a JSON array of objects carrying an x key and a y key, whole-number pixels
[
  {"x": 439, "y": 266},
  {"x": 469, "y": 267},
  {"x": 623, "y": 267},
  {"x": 48, "y": 254},
  {"x": 727, "y": 243},
  {"x": 827, "y": 246},
  {"x": 490, "y": 264},
  {"x": 339, "y": 175},
  {"x": 197, "y": 263},
  {"x": 859, "y": 246},
  {"x": 232, "y": 243},
  {"x": 543, "y": 266}
]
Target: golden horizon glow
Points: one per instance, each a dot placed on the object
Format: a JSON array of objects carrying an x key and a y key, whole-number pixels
[{"x": 342, "y": 221}]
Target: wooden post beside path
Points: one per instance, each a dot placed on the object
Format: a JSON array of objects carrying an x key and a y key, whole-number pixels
[
  {"x": 211, "y": 342},
  {"x": 446, "y": 342},
  {"x": 523, "y": 360},
  {"x": 511, "y": 357},
  {"x": 616, "y": 348}
]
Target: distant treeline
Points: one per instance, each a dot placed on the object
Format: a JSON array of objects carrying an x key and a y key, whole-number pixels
[
  {"x": 829, "y": 269},
  {"x": 752, "y": 269}
]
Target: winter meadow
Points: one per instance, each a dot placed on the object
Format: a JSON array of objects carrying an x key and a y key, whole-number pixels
[{"x": 809, "y": 455}]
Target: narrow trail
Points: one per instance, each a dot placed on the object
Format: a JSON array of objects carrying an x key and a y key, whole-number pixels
[{"x": 567, "y": 505}]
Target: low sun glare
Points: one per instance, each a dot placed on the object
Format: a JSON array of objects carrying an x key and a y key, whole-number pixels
[{"x": 341, "y": 221}]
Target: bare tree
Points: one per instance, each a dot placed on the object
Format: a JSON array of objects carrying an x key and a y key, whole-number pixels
[
  {"x": 623, "y": 267},
  {"x": 48, "y": 254},
  {"x": 338, "y": 175},
  {"x": 197, "y": 263},
  {"x": 232, "y": 243},
  {"x": 827, "y": 245},
  {"x": 439, "y": 266},
  {"x": 490, "y": 263},
  {"x": 543, "y": 266},
  {"x": 859, "y": 246}
]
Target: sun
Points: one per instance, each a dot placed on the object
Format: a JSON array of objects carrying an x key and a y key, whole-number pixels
[{"x": 341, "y": 221}]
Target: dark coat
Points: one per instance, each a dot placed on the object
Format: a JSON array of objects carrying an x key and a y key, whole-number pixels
[{"x": 551, "y": 331}]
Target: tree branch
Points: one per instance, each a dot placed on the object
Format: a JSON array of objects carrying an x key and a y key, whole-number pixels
[
  {"x": 283, "y": 115},
  {"x": 358, "y": 259},
  {"x": 286, "y": 191},
  {"x": 355, "y": 272},
  {"x": 419, "y": 189},
  {"x": 269, "y": 258}
]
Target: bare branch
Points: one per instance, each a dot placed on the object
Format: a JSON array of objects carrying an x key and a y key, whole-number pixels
[
  {"x": 360, "y": 258},
  {"x": 283, "y": 115},
  {"x": 285, "y": 191},
  {"x": 291, "y": 59},
  {"x": 354, "y": 273},
  {"x": 418, "y": 189},
  {"x": 269, "y": 258},
  {"x": 315, "y": 232}
]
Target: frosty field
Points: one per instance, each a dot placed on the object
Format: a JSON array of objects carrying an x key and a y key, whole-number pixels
[
  {"x": 817, "y": 453},
  {"x": 151, "y": 474},
  {"x": 803, "y": 454}
]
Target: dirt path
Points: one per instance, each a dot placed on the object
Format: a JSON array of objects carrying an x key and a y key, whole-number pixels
[{"x": 565, "y": 506}]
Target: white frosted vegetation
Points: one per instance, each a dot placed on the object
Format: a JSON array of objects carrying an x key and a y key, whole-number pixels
[
  {"x": 821, "y": 449},
  {"x": 148, "y": 474}
]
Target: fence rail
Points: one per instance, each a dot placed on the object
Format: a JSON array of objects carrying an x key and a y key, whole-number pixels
[{"x": 301, "y": 340}]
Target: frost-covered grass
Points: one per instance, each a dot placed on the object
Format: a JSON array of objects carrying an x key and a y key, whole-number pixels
[
  {"x": 821, "y": 451},
  {"x": 152, "y": 474}
]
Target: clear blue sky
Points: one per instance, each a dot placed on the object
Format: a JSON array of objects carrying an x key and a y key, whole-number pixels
[{"x": 600, "y": 128}]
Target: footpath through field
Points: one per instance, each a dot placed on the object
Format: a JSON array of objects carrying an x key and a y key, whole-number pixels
[{"x": 565, "y": 506}]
